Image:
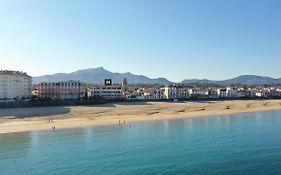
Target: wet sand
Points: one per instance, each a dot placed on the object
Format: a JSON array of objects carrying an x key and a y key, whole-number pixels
[{"x": 44, "y": 118}]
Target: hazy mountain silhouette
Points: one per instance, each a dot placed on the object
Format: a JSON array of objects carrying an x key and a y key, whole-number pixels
[
  {"x": 97, "y": 75},
  {"x": 243, "y": 80}
]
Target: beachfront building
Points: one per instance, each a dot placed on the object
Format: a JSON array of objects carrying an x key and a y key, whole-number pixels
[
  {"x": 265, "y": 92},
  {"x": 113, "y": 92},
  {"x": 260, "y": 93},
  {"x": 213, "y": 93},
  {"x": 170, "y": 91},
  {"x": 244, "y": 92},
  {"x": 135, "y": 92},
  {"x": 199, "y": 92},
  {"x": 14, "y": 85},
  {"x": 222, "y": 93},
  {"x": 268, "y": 92},
  {"x": 174, "y": 91},
  {"x": 183, "y": 92},
  {"x": 108, "y": 91},
  {"x": 153, "y": 93},
  {"x": 251, "y": 92},
  {"x": 278, "y": 92},
  {"x": 231, "y": 92},
  {"x": 60, "y": 90}
]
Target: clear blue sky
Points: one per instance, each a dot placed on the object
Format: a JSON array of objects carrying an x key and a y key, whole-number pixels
[{"x": 176, "y": 39}]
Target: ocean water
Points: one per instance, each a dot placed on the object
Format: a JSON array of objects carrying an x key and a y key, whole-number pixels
[{"x": 247, "y": 143}]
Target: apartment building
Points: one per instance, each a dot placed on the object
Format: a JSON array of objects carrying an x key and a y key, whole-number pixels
[
  {"x": 170, "y": 91},
  {"x": 199, "y": 92},
  {"x": 231, "y": 92},
  {"x": 60, "y": 90},
  {"x": 222, "y": 93},
  {"x": 14, "y": 84},
  {"x": 153, "y": 93},
  {"x": 175, "y": 91}
]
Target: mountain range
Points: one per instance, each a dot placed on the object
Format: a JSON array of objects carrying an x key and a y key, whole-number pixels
[
  {"x": 97, "y": 75},
  {"x": 243, "y": 80}
]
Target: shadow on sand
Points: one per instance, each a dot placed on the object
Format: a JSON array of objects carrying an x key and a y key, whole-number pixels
[
  {"x": 32, "y": 112},
  {"x": 134, "y": 103},
  {"x": 109, "y": 105}
]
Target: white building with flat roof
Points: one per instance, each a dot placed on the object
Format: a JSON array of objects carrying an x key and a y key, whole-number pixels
[
  {"x": 112, "y": 92},
  {"x": 14, "y": 84},
  {"x": 222, "y": 93},
  {"x": 174, "y": 91},
  {"x": 231, "y": 92}
]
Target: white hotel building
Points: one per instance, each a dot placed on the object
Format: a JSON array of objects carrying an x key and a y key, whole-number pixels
[
  {"x": 108, "y": 91},
  {"x": 14, "y": 84},
  {"x": 113, "y": 92}
]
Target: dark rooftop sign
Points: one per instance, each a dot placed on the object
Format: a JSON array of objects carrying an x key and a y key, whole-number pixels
[{"x": 107, "y": 82}]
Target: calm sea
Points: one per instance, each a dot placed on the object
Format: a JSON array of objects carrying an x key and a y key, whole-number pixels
[{"x": 237, "y": 144}]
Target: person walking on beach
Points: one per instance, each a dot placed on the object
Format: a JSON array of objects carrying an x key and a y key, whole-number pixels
[{"x": 119, "y": 122}]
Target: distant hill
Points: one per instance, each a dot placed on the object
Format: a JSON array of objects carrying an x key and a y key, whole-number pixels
[
  {"x": 251, "y": 80},
  {"x": 243, "y": 80},
  {"x": 97, "y": 75}
]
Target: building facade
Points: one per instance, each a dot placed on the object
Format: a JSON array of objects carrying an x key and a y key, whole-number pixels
[
  {"x": 108, "y": 91},
  {"x": 222, "y": 93},
  {"x": 170, "y": 92},
  {"x": 60, "y": 90},
  {"x": 15, "y": 84},
  {"x": 199, "y": 92},
  {"x": 231, "y": 92},
  {"x": 153, "y": 93},
  {"x": 113, "y": 92},
  {"x": 175, "y": 91}
]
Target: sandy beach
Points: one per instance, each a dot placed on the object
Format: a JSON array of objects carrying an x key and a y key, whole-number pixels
[{"x": 44, "y": 118}]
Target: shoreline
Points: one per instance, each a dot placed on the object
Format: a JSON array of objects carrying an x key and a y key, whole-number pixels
[{"x": 44, "y": 118}]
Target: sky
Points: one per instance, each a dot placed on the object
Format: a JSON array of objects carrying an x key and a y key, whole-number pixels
[{"x": 175, "y": 39}]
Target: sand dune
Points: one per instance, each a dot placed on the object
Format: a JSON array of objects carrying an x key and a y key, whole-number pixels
[{"x": 44, "y": 118}]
